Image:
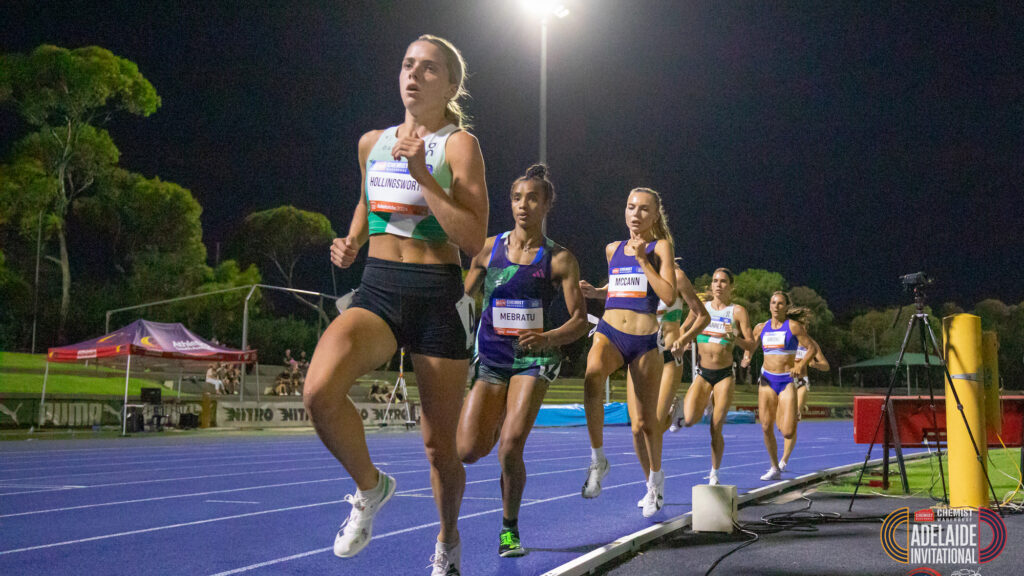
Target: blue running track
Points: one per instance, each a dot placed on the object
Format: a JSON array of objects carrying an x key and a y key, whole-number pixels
[{"x": 271, "y": 505}]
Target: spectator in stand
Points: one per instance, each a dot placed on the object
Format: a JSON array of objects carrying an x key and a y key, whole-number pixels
[{"x": 214, "y": 379}]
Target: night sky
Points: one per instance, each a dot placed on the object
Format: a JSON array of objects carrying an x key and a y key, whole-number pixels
[{"x": 841, "y": 144}]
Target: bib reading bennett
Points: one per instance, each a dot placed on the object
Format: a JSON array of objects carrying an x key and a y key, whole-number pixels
[
  {"x": 395, "y": 203},
  {"x": 515, "y": 298}
]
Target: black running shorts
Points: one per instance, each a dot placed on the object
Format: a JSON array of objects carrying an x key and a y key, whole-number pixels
[{"x": 421, "y": 305}]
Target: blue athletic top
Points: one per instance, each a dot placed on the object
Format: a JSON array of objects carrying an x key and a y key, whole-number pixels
[
  {"x": 515, "y": 299},
  {"x": 628, "y": 288},
  {"x": 778, "y": 341}
]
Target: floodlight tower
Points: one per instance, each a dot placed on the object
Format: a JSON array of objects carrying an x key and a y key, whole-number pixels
[{"x": 545, "y": 10}]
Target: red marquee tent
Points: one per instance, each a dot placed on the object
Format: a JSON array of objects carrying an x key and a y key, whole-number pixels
[{"x": 147, "y": 339}]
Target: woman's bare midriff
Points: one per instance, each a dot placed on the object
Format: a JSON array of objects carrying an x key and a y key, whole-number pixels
[
  {"x": 412, "y": 250},
  {"x": 715, "y": 356},
  {"x": 779, "y": 364},
  {"x": 631, "y": 322}
]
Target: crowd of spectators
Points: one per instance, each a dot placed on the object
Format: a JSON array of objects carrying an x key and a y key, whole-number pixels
[
  {"x": 224, "y": 378},
  {"x": 289, "y": 382}
]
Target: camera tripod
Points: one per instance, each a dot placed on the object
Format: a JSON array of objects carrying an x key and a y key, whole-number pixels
[
  {"x": 920, "y": 320},
  {"x": 399, "y": 384}
]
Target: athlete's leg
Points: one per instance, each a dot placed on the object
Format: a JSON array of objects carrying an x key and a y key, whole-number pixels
[
  {"x": 525, "y": 396},
  {"x": 355, "y": 343},
  {"x": 480, "y": 422},
  {"x": 801, "y": 400},
  {"x": 639, "y": 444},
  {"x": 723, "y": 393},
  {"x": 671, "y": 375},
  {"x": 646, "y": 371},
  {"x": 786, "y": 413},
  {"x": 767, "y": 403},
  {"x": 441, "y": 382},
  {"x": 696, "y": 401},
  {"x": 602, "y": 360}
]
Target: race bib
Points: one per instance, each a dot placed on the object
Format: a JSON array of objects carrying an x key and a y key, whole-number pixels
[
  {"x": 774, "y": 340},
  {"x": 627, "y": 282},
  {"x": 511, "y": 317},
  {"x": 390, "y": 188},
  {"x": 719, "y": 327}
]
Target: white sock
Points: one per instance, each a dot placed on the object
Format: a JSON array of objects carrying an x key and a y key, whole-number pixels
[
  {"x": 714, "y": 470},
  {"x": 376, "y": 490},
  {"x": 597, "y": 454},
  {"x": 656, "y": 477}
]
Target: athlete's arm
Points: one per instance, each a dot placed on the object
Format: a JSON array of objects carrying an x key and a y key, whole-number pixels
[
  {"x": 746, "y": 341},
  {"x": 463, "y": 216},
  {"x": 344, "y": 250},
  {"x": 820, "y": 362},
  {"x": 477, "y": 272},
  {"x": 748, "y": 354},
  {"x": 701, "y": 319},
  {"x": 805, "y": 340},
  {"x": 592, "y": 293},
  {"x": 662, "y": 280},
  {"x": 565, "y": 270}
]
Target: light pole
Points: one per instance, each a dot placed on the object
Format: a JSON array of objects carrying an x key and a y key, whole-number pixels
[{"x": 545, "y": 9}]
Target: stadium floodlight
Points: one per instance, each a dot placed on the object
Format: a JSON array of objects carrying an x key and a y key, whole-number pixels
[{"x": 544, "y": 9}]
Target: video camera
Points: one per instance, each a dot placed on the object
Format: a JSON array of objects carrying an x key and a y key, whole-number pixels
[{"x": 915, "y": 280}]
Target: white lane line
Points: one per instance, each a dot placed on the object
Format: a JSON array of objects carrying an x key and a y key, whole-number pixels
[
  {"x": 467, "y": 516},
  {"x": 42, "y": 488},
  {"x": 168, "y": 527},
  {"x": 234, "y": 501}
]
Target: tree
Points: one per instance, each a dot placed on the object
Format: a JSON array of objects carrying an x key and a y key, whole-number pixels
[
  {"x": 282, "y": 237},
  {"x": 63, "y": 93}
]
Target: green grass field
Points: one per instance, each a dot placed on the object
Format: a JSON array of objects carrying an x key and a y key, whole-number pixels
[
  {"x": 923, "y": 476},
  {"x": 22, "y": 373}
]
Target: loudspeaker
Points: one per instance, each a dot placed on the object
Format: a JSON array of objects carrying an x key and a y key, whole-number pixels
[
  {"x": 135, "y": 421},
  {"x": 150, "y": 395}
]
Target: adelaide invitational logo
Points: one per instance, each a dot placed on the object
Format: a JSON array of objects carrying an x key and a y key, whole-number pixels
[{"x": 963, "y": 536}]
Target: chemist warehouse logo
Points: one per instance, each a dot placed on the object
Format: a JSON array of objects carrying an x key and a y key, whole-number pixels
[{"x": 953, "y": 536}]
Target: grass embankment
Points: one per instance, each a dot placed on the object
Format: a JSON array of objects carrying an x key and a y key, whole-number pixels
[
  {"x": 23, "y": 374},
  {"x": 923, "y": 477}
]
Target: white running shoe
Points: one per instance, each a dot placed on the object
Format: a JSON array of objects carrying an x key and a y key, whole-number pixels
[
  {"x": 446, "y": 561},
  {"x": 357, "y": 529},
  {"x": 597, "y": 471},
  {"x": 713, "y": 478},
  {"x": 643, "y": 501},
  {"x": 773, "y": 473},
  {"x": 676, "y": 418},
  {"x": 655, "y": 494},
  {"x": 782, "y": 466}
]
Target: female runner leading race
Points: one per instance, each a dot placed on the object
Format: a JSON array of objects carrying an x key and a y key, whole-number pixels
[{"x": 423, "y": 198}]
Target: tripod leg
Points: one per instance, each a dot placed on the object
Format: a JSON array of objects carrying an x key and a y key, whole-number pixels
[{"x": 885, "y": 413}]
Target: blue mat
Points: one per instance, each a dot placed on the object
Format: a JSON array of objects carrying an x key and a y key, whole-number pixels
[{"x": 615, "y": 414}]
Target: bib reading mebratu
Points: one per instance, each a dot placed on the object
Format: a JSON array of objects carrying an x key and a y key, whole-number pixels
[
  {"x": 511, "y": 317},
  {"x": 627, "y": 282},
  {"x": 394, "y": 200}
]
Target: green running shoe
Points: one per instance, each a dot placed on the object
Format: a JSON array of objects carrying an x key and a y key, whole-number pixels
[{"x": 509, "y": 546}]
